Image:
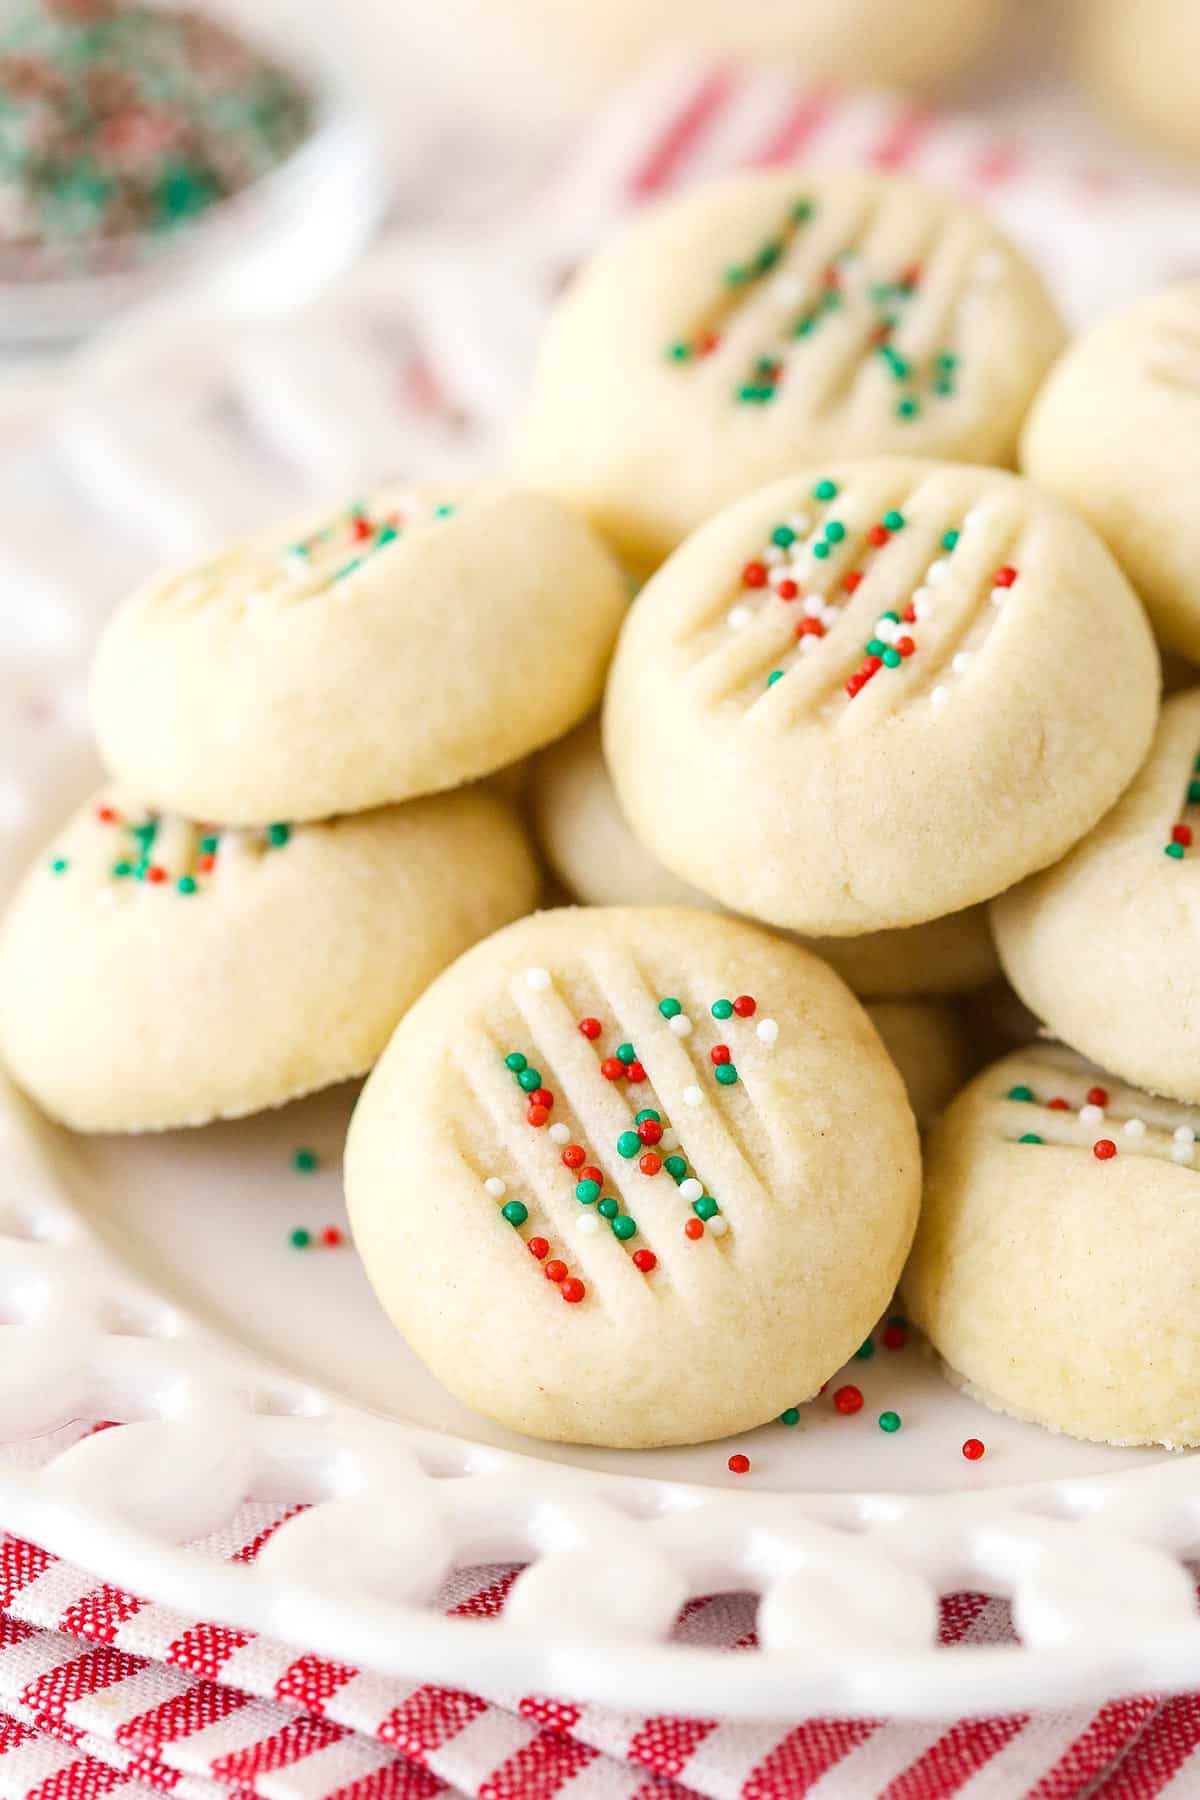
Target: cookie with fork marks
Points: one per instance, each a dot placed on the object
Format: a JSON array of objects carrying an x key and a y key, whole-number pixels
[
  {"x": 877, "y": 693},
  {"x": 633, "y": 1177},
  {"x": 773, "y": 319}
]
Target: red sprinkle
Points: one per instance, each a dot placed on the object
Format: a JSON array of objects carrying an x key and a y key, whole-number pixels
[
  {"x": 1058, "y": 1104},
  {"x": 878, "y": 534},
  {"x": 572, "y": 1290},
  {"x": 634, "y": 1072},
  {"x": 651, "y": 1163},
  {"x": 591, "y": 1173},
  {"x": 830, "y": 276},
  {"x": 905, "y": 646},
  {"x": 590, "y": 1027},
  {"x": 810, "y": 627},
  {"x": 848, "y": 1399},
  {"x": 556, "y": 1271},
  {"x": 1103, "y": 1149},
  {"x": 361, "y": 528},
  {"x": 745, "y": 1007},
  {"x": 893, "y": 1337},
  {"x": 850, "y": 582},
  {"x": 909, "y": 615},
  {"x": 537, "y": 1115},
  {"x": 973, "y": 1449},
  {"x": 754, "y": 575},
  {"x": 910, "y": 276},
  {"x": 872, "y": 665},
  {"x": 542, "y": 1097},
  {"x": 707, "y": 342},
  {"x": 539, "y": 1247},
  {"x": 1097, "y": 1096},
  {"x": 331, "y": 1236},
  {"x": 645, "y": 1260},
  {"x": 1004, "y": 577},
  {"x": 1181, "y": 834},
  {"x": 612, "y": 1068},
  {"x": 739, "y": 1465},
  {"x": 650, "y": 1131},
  {"x": 156, "y": 874},
  {"x": 882, "y": 333},
  {"x": 205, "y": 864},
  {"x": 787, "y": 590},
  {"x": 719, "y": 1053},
  {"x": 107, "y": 815},
  {"x": 573, "y": 1155},
  {"x": 694, "y": 1228}
]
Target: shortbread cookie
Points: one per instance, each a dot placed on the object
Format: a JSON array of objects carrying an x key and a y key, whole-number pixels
[
  {"x": 405, "y": 645},
  {"x": 775, "y": 319},
  {"x": 1057, "y": 1262},
  {"x": 1116, "y": 431},
  {"x": 1139, "y": 57},
  {"x": 157, "y": 973},
  {"x": 1105, "y": 946},
  {"x": 928, "y": 1043},
  {"x": 633, "y": 1177},
  {"x": 587, "y": 842},
  {"x": 858, "y": 699}
]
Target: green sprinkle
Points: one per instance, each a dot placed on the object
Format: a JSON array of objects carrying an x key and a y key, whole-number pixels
[
  {"x": 145, "y": 833},
  {"x": 784, "y": 536},
  {"x": 529, "y": 1079},
  {"x": 608, "y": 1209},
  {"x": 1021, "y": 1092},
  {"x": 59, "y": 865},
  {"x": 679, "y": 352},
  {"x": 755, "y": 392},
  {"x": 790, "y": 1415},
  {"x": 1194, "y": 793},
  {"x": 835, "y": 531},
  {"x": 1030, "y": 1137},
  {"x": 516, "y": 1062},
  {"x": 821, "y": 551},
  {"x": 208, "y": 845},
  {"x": 894, "y": 521},
  {"x": 907, "y": 409},
  {"x": 515, "y": 1211},
  {"x": 875, "y": 647},
  {"x": 626, "y": 1053},
  {"x": 726, "y": 1074},
  {"x": 899, "y": 1320},
  {"x": 121, "y": 869},
  {"x": 803, "y": 326},
  {"x": 670, "y": 1007},
  {"x": 587, "y": 1193},
  {"x": 949, "y": 540},
  {"x": 705, "y": 1207},
  {"x": 889, "y": 1421},
  {"x": 943, "y": 385},
  {"x": 444, "y": 511},
  {"x": 348, "y": 568},
  {"x": 628, "y": 1144},
  {"x": 766, "y": 365},
  {"x": 831, "y": 300},
  {"x": 892, "y": 658},
  {"x": 1196, "y": 766},
  {"x": 141, "y": 869},
  {"x": 735, "y": 275},
  {"x": 649, "y": 1113},
  {"x": 300, "y": 1239},
  {"x": 768, "y": 256},
  {"x": 624, "y": 1227},
  {"x": 186, "y": 884},
  {"x": 866, "y": 1350},
  {"x": 676, "y": 1167},
  {"x": 1175, "y": 850},
  {"x": 825, "y": 490},
  {"x": 802, "y": 212},
  {"x": 388, "y": 535},
  {"x": 300, "y": 550},
  {"x": 304, "y": 1161},
  {"x": 774, "y": 676},
  {"x": 947, "y": 361},
  {"x": 893, "y": 616},
  {"x": 722, "y": 1009},
  {"x": 279, "y": 834}
]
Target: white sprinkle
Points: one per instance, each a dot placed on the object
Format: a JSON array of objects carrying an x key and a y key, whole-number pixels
[
  {"x": 738, "y": 617},
  {"x": 588, "y": 1223},
  {"x": 961, "y": 662},
  {"x": 106, "y": 896},
  {"x": 1135, "y": 1128},
  {"x": 787, "y": 288},
  {"x": 766, "y": 1031},
  {"x": 814, "y": 605},
  {"x": 939, "y": 697},
  {"x": 559, "y": 1134},
  {"x": 1184, "y": 1134},
  {"x": 537, "y": 979},
  {"x": 669, "y": 1139},
  {"x": 691, "y": 1189},
  {"x": 974, "y": 519},
  {"x": 681, "y": 1025},
  {"x": 495, "y": 1187},
  {"x": 1182, "y": 1153},
  {"x": 998, "y": 596},
  {"x": 800, "y": 523},
  {"x": 1091, "y": 1115},
  {"x": 718, "y": 1225},
  {"x": 692, "y": 1096},
  {"x": 922, "y": 603},
  {"x": 773, "y": 555},
  {"x": 937, "y": 572},
  {"x": 887, "y": 630},
  {"x": 808, "y": 644}
]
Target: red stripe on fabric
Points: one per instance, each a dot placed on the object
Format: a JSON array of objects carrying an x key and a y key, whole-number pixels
[
  {"x": 664, "y": 1745},
  {"x": 79, "y": 1780},
  {"x": 902, "y": 139},
  {"x": 13, "y": 1732},
  {"x": 803, "y": 1756},
  {"x": 1108, "y": 1736},
  {"x": 155, "y": 1774},
  {"x": 428, "y": 1719},
  {"x": 1001, "y": 161},
  {"x": 958, "y": 1754},
  {"x": 1161, "y": 1751},
  {"x": 14, "y": 1631},
  {"x": 20, "y": 1563},
  {"x": 538, "y": 1769},
  {"x": 205, "y": 1649},
  {"x": 311, "y": 1680},
  {"x": 554, "y": 1715},
  {"x": 50, "y": 1694},
  {"x": 488, "y": 1603},
  {"x": 297, "y": 1739},
  {"x": 99, "y": 1613},
  {"x": 958, "y": 1612},
  {"x": 802, "y": 122},
  {"x": 398, "y": 1780},
  {"x": 200, "y": 1705},
  {"x": 249, "y": 1551},
  {"x": 661, "y": 163}
]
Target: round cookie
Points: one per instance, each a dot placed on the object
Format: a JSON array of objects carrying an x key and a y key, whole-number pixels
[
  {"x": 1057, "y": 1261},
  {"x": 773, "y": 319},
  {"x": 1116, "y": 432},
  {"x": 156, "y": 973},
  {"x": 633, "y": 1177},
  {"x": 857, "y": 699},
  {"x": 929, "y": 1045},
  {"x": 1105, "y": 946},
  {"x": 589, "y": 846},
  {"x": 1140, "y": 63},
  {"x": 283, "y": 679}
]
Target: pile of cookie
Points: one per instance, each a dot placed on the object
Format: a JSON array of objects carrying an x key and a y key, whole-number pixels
[{"x": 881, "y": 709}]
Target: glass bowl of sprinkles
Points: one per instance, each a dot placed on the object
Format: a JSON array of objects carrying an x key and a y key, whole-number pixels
[{"x": 147, "y": 147}]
